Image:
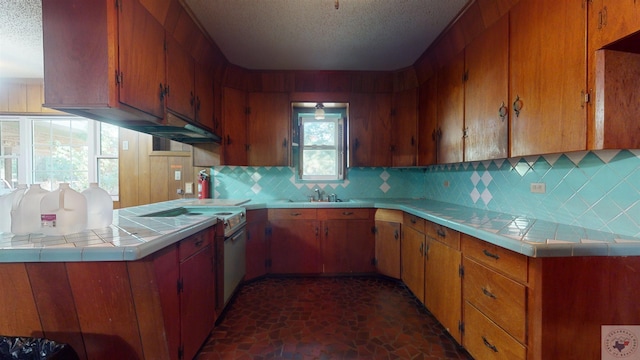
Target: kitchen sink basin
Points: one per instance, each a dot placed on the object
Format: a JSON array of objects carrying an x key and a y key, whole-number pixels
[{"x": 190, "y": 211}]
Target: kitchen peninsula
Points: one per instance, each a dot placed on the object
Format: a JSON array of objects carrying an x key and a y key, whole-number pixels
[{"x": 113, "y": 298}]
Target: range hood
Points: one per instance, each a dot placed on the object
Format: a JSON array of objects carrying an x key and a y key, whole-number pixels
[{"x": 178, "y": 130}]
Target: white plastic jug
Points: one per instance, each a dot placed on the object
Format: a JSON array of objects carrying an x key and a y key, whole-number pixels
[
  {"x": 99, "y": 207},
  {"x": 63, "y": 211},
  {"x": 25, "y": 213},
  {"x": 6, "y": 204}
]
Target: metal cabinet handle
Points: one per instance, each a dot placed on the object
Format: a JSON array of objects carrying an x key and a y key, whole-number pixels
[
  {"x": 396, "y": 234},
  {"x": 421, "y": 248},
  {"x": 517, "y": 105},
  {"x": 296, "y": 214},
  {"x": 488, "y": 293},
  {"x": 413, "y": 220},
  {"x": 347, "y": 213},
  {"x": 489, "y": 345},
  {"x": 490, "y": 254},
  {"x": 502, "y": 112},
  {"x": 441, "y": 232}
]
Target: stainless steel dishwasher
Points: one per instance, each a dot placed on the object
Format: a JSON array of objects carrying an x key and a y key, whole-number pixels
[{"x": 235, "y": 244}]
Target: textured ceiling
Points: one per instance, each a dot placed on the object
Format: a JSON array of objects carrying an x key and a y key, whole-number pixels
[
  {"x": 272, "y": 34},
  {"x": 314, "y": 35},
  {"x": 21, "y": 39}
]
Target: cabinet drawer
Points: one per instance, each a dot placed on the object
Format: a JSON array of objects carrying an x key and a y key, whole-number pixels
[
  {"x": 498, "y": 297},
  {"x": 336, "y": 214},
  {"x": 389, "y": 215},
  {"x": 506, "y": 261},
  {"x": 292, "y": 214},
  {"x": 194, "y": 243},
  {"x": 413, "y": 221},
  {"x": 443, "y": 234},
  {"x": 485, "y": 340}
]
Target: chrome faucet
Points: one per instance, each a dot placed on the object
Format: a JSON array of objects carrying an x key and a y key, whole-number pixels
[{"x": 318, "y": 191}]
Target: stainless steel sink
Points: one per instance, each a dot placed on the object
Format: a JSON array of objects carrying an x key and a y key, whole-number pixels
[{"x": 190, "y": 211}]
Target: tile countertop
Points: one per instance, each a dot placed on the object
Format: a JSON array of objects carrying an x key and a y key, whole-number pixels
[{"x": 132, "y": 237}]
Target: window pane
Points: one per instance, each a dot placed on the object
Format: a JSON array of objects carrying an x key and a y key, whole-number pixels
[
  {"x": 9, "y": 153},
  {"x": 108, "y": 175},
  {"x": 319, "y": 133},
  {"x": 61, "y": 153},
  {"x": 108, "y": 139},
  {"x": 319, "y": 162}
]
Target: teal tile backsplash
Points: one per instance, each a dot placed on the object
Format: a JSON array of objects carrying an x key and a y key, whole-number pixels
[{"x": 597, "y": 190}]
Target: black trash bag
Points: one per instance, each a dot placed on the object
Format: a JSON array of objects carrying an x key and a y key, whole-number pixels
[{"x": 28, "y": 348}]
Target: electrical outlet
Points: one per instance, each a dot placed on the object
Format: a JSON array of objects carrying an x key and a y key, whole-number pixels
[
  {"x": 538, "y": 188},
  {"x": 179, "y": 191},
  {"x": 188, "y": 188}
]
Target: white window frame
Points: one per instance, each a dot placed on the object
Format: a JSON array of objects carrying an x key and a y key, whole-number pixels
[{"x": 340, "y": 119}]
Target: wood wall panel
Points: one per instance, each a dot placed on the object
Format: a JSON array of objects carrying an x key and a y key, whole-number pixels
[{"x": 55, "y": 304}]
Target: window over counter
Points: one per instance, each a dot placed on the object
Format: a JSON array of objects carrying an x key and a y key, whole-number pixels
[
  {"x": 49, "y": 150},
  {"x": 319, "y": 139}
]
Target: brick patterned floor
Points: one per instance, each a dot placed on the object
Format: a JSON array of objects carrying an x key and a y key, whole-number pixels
[{"x": 328, "y": 318}]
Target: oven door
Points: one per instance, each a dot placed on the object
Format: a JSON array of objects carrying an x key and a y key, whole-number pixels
[{"x": 234, "y": 261}]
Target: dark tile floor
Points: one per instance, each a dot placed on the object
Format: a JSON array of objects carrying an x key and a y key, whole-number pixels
[{"x": 328, "y": 318}]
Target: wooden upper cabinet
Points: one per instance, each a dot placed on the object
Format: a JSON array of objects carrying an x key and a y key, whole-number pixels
[
  {"x": 405, "y": 123},
  {"x": 427, "y": 122},
  {"x": 370, "y": 129},
  {"x": 180, "y": 87},
  {"x": 268, "y": 129},
  {"x": 205, "y": 97},
  {"x": 450, "y": 111},
  {"x": 142, "y": 61},
  {"x": 486, "y": 89},
  {"x": 547, "y": 77},
  {"x": 234, "y": 126},
  {"x": 611, "y": 20},
  {"x": 110, "y": 65}
]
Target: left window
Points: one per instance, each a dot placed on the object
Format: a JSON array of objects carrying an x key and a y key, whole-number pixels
[{"x": 51, "y": 150}]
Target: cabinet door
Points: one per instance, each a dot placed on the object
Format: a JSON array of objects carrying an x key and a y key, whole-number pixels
[
  {"x": 197, "y": 300},
  {"x": 450, "y": 111},
  {"x": 141, "y": 59},
  {"x": 413, "y": 243},
  {"x": 547, "y": 76},
  {"x": 388, "y": 248},
  {"x": 268, "y": 129},
  {"x": 370, "y": 130},
  {"x": 486, "y": 94},
  {"x": 443, "y": 286},
  {"x": 295, "y": 246},
  {"x": 234, "y": 126},
  {"x": 204, "y": 106},
  {"x": 180, "y": 92},
  {"x": 405, "y": 124},
  {"x": 257, "y": 250},
  {"x": 611, "y": 20},
  {"x": 348, "y": 246},
  {"x": 427, "y": 123}
]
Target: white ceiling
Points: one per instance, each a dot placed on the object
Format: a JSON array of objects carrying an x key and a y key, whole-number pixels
[{"x": 377, "y": 35}]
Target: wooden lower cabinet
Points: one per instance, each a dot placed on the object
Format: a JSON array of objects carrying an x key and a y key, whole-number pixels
[
  {"x": 257, "y": 244},
  {"x": 388, "y": 231},
  {"x": 347, "y": 242},
  {"x": 495, "y": 300},
  {"x": 412, "y": 254},
  {"x": 294, "y": 241},
  {"x": 442, "y": 277}
]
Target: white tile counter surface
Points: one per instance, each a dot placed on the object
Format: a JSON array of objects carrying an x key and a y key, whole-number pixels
[{"x": 132, "y": 237}]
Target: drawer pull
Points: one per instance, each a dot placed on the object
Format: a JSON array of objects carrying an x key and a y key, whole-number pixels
[
  {"x": 413, "y": 220},
  {"x": 199, "y": 242},
  {"x": 346, "y": 213},
  {"x": 491, "y": 255},
  {"x": 488, "y": 293},
  {"x": 441, "y": 232},
  {"x": 296, "y": 214},
  {"x": 489, "y": 345}
]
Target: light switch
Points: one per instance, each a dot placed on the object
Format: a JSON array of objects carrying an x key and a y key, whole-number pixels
[
  {"x": 188, "y": 188},
  {"x": 125, "y": 145},
  {"x": 177, "y": 175}
]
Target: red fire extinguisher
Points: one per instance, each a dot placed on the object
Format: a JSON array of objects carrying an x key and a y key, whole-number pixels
[{"x": 203, "y": 185}]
